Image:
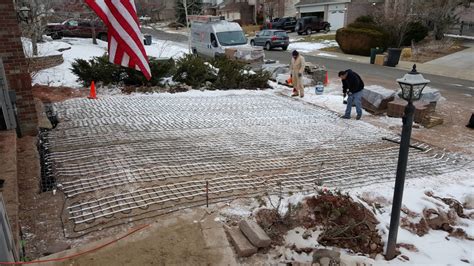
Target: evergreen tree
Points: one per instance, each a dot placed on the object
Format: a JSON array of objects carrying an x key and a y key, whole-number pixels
[{"x": 194, "y": 8}]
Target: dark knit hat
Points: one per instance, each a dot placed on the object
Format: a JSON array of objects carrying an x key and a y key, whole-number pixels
[{"x": 295, "y": 53}]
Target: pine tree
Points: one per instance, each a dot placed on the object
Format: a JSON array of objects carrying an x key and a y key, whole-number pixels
[{"x": 194, "y": 8}]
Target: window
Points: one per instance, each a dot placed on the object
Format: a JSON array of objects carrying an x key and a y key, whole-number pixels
[
  {"x": 280, "y": 34},
  {"x": 72, "y": 23},
  {"x": 229, "y": 38},
  {"x": 213, "y": 40}
]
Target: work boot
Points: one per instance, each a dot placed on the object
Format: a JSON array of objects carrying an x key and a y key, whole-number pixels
[
  {"x": 345, "y": 117},
  {"x": 294, "y": 95},
  {"x": 358, "y": 117}
]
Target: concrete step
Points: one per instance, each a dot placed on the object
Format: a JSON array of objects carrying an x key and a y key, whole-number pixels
[
  {"x": 241, "y": 244},
  {"x": 254, "y": 233}
]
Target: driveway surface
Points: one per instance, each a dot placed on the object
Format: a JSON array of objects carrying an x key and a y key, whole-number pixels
[{"x": 122, "y": 158}]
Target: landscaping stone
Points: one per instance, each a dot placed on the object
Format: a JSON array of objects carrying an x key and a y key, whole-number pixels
[
  {"x": 58, "y": 247},
  {"x": 255, "y": 233},
  {"x": 326, "y": 257},
  {"x": 241, "y": 244}
]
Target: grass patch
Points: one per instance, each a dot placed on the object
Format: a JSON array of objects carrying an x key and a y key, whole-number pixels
[
  {"x": 318, "y": 38},
  {"x": 334, "y": 49}
]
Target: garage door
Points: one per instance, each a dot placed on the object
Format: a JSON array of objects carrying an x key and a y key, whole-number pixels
[{"x": 336, "y": 19}]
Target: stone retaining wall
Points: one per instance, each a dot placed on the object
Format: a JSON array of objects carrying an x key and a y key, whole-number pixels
[{"x": 39, "y": 63}]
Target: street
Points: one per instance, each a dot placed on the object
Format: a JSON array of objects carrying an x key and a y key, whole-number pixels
[{"x": 451, "y": 88}]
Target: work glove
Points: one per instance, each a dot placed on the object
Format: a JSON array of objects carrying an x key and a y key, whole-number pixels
[
  {"x": 299, "y": 75},
  {"x": 349, "y": 93}
]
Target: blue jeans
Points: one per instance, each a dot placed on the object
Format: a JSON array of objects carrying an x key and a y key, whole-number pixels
[{"x": 357, "y": 99}]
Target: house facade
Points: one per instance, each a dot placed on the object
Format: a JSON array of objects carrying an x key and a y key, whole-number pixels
[{"x": 337, "y": 12}]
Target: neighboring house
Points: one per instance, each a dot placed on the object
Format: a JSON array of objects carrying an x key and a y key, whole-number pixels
[
  {"x": 338, "y": 13},
  {"x": 242, "y": 11},
  {"x": 209, "y": 7}
]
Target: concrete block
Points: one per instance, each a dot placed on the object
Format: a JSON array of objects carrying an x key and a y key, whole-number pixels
[
  {"x": 215, "y": 237},
  {"x": 255, "y": 233},
  {"x": 241, "y": 244}
]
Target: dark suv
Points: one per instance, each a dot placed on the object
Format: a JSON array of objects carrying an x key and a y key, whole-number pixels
[
  {"x": 270, "y": 39},
  {"x": 77, "y": 28},
  {"x": 309, "y": 24},
  {"x": 286, "y": 23}
]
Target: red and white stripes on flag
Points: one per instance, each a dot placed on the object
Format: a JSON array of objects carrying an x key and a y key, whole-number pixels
[{"x": 125, "y": 38}]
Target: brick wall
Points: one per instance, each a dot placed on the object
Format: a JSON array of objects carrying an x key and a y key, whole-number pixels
[
  {"x": 16, "y": 67},
  {"x": 43, "y": 62}
]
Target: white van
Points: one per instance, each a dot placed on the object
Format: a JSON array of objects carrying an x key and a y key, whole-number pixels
[{"x": 211, "y": 35}]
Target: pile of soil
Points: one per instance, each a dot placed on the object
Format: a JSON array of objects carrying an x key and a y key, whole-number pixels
[
  {"x": 57, "y": 94},
  {"x": 344, "y": 223}
]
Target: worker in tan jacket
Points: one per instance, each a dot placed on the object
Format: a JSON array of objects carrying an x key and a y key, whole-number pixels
[{"x": 297, "y": 70}]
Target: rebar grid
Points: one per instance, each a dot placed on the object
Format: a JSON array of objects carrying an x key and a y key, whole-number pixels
[{"x": 121, "y": 157}]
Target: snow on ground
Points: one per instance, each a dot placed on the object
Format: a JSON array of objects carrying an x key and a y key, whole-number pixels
[
  {"x": 434, "y": 248},
  {"x": 307, "y": 47},
  {"x": 83, "y": 48},
  {"x": 61, "y": 75},
  {"x": 326, "y": 54},
  {"x": 163, "y": 48},
  {"x": 44, "y": 48}
]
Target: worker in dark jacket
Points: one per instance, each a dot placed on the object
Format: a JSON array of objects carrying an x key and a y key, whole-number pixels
[{"x": 352, "y": 85}]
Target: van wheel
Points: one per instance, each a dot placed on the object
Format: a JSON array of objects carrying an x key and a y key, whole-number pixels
[
  {"x": 300, "y": 33},
  {"x": 252, "y": 42},
  {"x": 284, "y": 48},
  {"x": 268, "y": 46},
  {"x": 308, "y": 31},
  {"x": 326, "y": 29}
]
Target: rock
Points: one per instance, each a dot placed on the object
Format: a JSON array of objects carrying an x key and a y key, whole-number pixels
[
  {"x": 325, "y": 261},
  {"x": 307, "y": 234},
  {"x": 241, "y": 244},
  {"x": 334, "y": 256},
  {"x": 469, "y": 202},
  {"x": 373, "y": 246},
  {"x": 255, "y": 233},
  {"x": 57, "y": 247}
]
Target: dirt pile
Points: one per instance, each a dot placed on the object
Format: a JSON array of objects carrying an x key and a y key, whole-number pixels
[{"x": 343, "y": 222}]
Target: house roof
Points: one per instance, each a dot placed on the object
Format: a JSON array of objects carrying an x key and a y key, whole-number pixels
[{"x": 320, "y": 2}]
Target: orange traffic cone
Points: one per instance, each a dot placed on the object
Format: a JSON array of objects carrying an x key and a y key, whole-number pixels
[
  {"x": 326, "y": 80},
  {"x": 92, "y": 94}
]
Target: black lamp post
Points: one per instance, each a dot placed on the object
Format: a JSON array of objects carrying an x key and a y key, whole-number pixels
[{"x": 412, "y": 85}]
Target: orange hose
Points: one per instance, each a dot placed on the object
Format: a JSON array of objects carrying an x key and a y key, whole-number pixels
[{"x": 78, "y": 254}]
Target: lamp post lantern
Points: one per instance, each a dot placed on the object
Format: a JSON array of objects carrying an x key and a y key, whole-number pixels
[{"x": 412, "y": 84}]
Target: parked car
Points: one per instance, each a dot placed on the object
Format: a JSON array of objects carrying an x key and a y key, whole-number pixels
[
  {"x": 286, "y": 23},
  {"x": 76, "y": 28},
  {"x": 270, "y": 39},
  {"x": 309, "y": 24}
]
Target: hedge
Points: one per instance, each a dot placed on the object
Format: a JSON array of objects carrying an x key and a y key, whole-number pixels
[{"x": 359, "y": 40}]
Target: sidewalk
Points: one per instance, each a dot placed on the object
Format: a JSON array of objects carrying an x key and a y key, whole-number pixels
[{"x": 457, "y": 65}]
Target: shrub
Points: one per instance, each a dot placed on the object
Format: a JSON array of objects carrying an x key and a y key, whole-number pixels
[
  {"x": 230, "y": 74},
  {"x": 192, "y": 70},
  {"x": 359, "y": 40},
  {"x": 365, "y": 19},
  {"x": 99, "y": 69},
  {"x": 96, "y": 69},
  {"x": 259, "y": 80},
  {"x": 416, "y": 31},
  {"x": 159, "y": 69},
  {"x": 237, "y": 75}
]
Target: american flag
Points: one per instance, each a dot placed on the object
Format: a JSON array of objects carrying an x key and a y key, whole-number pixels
[{"x": 125, "y": 42}]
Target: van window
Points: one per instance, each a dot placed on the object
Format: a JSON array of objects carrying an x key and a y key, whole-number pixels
[
  {"x": 214, "y": 40},
  {"x": 229, "y": 38}
]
